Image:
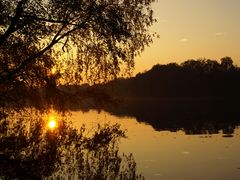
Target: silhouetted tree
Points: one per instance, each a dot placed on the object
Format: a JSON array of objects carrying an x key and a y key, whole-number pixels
[
  {"x": 227, "y": 63},
  {"x": 40, "y": 39},
  {"x": 192, "y": 78},
  {"x": 44, "y": 43},
  {"x": 211, "y": 65},
  {"x": 194, "y": 65},
  {"x": 52, "y": 42}
]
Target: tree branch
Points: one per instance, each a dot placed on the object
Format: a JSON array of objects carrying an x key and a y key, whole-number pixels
[
  {"x": 46, "y": 20},
  {"x": 13, "y": 23},
  {"x": 54, "y": 41},
  {"x": 31, "y": 58}
]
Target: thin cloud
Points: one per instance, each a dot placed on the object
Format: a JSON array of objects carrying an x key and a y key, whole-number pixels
[
  {"x": 219, "y": 34},
  {"x": 163, "y": 20},
  {"x": 184, "y": 40}
]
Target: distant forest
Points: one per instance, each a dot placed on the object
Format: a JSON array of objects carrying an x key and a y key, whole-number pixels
[{"x": 192, "y": 78}]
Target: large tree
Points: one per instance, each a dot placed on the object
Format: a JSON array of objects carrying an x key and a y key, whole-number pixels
[
  {"x": 70, "y": 40},
  {"x": 44, "y": 42}
]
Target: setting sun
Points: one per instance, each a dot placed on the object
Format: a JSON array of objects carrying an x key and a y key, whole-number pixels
[
  {"x": 53, "y": 70},
  {"x": 52, "y": 122}
]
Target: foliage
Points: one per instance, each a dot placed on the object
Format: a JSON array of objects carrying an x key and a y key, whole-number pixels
[
  {"x": 45, "y": 43},
  {"x": 42, "y": 41},
  {"x": 192, "y": 78}
]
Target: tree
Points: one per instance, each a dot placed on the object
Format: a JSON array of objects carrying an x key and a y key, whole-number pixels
[
  {"x": 227, "y": 63},
  {"x": 50, "y": 42},
  {"x": 68, "y": 40}
]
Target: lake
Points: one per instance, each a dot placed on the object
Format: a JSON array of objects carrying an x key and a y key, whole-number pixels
[
  {"x": 170, "y": 139},
  {"x": 202, "y": 150}
]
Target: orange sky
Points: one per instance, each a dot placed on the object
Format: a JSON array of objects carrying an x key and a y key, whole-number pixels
[{"x": 192, "y": 29}]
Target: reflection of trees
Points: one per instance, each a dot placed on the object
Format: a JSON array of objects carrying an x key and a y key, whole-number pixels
[
  {"x": 28, "y": 150},
  {"x": 193, "y": 116}
]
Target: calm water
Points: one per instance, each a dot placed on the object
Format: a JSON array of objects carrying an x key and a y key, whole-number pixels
[{"x": 172, "y": 155}]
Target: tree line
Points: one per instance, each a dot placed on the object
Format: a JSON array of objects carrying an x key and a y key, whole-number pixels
[{"x": 192, "y": 78}]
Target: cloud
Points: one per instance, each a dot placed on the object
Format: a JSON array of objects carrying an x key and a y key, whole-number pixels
[
  {"x": 185, "y": 152},
  {"x": 162, "y": 20},
  {"x": 184, "y": 40},
  {"x": 219, "y": 34}
]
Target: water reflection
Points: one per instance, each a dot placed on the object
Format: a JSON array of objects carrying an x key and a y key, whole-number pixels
[
  {"x": 193, "y": 116},
  {"x": 39, "y": 144},
  {"x": 173, "y": 155},
  {"x": 31, "y": 150}
]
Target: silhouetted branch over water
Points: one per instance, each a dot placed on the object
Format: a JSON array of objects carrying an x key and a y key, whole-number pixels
[{"x": 45, "y": 44}]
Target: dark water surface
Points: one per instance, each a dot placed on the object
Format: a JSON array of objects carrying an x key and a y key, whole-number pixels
[
  {"x": 170, "y": 139},
  {"x": 177, "y": 141}
]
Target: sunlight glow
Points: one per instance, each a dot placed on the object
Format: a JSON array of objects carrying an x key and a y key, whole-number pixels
[
  {"x": 53, "y": 71},
  {"x": 52, "y": 122}
]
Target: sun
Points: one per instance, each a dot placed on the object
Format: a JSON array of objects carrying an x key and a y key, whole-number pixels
[
  {"x": 52, "y": 122},
  {"x": 53, "y": 71}
]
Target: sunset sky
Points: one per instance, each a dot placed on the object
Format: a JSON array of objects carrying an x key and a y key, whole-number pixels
[{"x": 192, "y": 29}]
